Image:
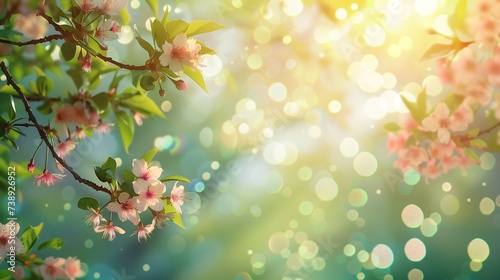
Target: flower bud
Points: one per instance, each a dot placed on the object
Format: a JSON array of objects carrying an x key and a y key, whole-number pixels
[
  {"x": 162, "y": 92},
  {"x": 180, "y": 85},
  {"x": 31, "y": 166}
]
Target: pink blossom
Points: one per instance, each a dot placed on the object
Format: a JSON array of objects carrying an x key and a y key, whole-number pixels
[
  {"x": 111, "y": 7},
  {"x": 447, "y": 163},
  {"x": 161, "y": 219},
  {"x": 73, "y": 269},
  {"x": 87, "y": 63},
  {"x": 414, "y": 155},
  {"x": 64, "y": 148},
  {"x": 177, "y": 197},
  {"x": 143, "y": 232},
  {"x": 149, "y": 195},
  {"x": 106, "y": 31},
  {"x": 53, "y": 268},
  {"x": 431, "y": 171},
  {"x": 138, "y": 118},
  {"x": 48, "y": 178},
  {"x": 79, "y": 133},
  {"x": 397, "y": 141},
  {"x": 439, "y": 150},
  {"x": 182, "y": 51},
  {"x": 31, "y": 26},
  {"x": 87, "y": 5},
  {"x": 63, "y": 113},
  {"x": 125, "y": 208},
  {"x": 462, "y": 117},
  {"x": 95, "y": 218},
  {"x": 441, "y": 122},
  {"x": 5, "y": 231},
  {"x": 180, "y": 84},
  {"x": 109, "y": 230},
  {"x": 104, "y": 128},
  {"x": 144, "y": 172}
]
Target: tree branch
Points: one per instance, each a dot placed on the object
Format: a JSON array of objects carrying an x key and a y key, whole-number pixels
[
  {"x": 486, "y": 131},
  {"x": 43, "y": 135},
  {"x": 33, "y": 42}
]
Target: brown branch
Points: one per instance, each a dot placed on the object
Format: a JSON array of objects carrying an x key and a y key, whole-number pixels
[
  {"x": 102, "y": 57},
  {"x": 43, "y": 135},
  {"x": 486, "y": 131},
  {"x": 33, "y": 42}
]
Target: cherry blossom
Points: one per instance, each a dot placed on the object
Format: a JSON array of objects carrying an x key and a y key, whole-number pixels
[
  {"x": 144, "y": 172},
  {"x": 104, "y": 128},
  {"x": 182, "y": 51},
  {"x": 48, "y": 178},
  {"x": 149, "y": 195},
  {"x": 53, "y": 268},
  {"x": 31, "y": 26},
  {"x": 108, "y": 230},
  {"x": 87, "y": 5},
  {"x": 73, "y": 269},
  {"x": 31, "y": 166},
  {"x": 95, "y": 218},
  {"x": 143, "y": 232},
  {"x": 414, "y": 155},
  {"x": 441, "y": 122},
  {"x": 125, "y": 208},
  {"x": 64, "y": 148},
  {"x": 107, "y": 31},
  {"x": 177, "y": 197},
  {"x": 161, "y": 219},
  {"x": 111, "y": 7},
  {"x": 5, "y": 231}
]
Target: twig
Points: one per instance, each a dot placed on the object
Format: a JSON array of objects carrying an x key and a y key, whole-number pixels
[
  {"x": 486, "y": 131},
  {"x": 33, "y": 42},
  {"x": 43, "y": 135}
]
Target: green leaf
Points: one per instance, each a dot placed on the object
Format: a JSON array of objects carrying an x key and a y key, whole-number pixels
[
  {"x": 126, "y": 128},
  {"x": 101, "y": 101},
  {"x": 437, "y": 50},
  {"x": 30, "y": 236},
  {"x": 109, "y": 164},
  {"x": 128, "y": 176},
  {"x": 392, "y": 127},
  {"x": 145, "y": 45},
  {"x": 422, "y": 105},
  {"x": 478, "y": 143},
  {"x": 153, "y": 4},
  {"x": 159, "y": 33},
  {"x": 148, "y": 83},
  {"x": 45, "y": 107},
  {"x": 473, "y": 133},
  {"x": 143, "y": 104},
  {"x": 456, "y": 21},
  {"x": 88, "y": 202},
  {"x": 12, "y": 109},
  {"x": 68, "y": 51},
  {"x": 169, "y": 208},
  {"x": 175, "y": 178},
  {"x": 76, "y": 76},
  {"x": 41, "y": 85},
  {"x": 196, "y": 76},
  {"x": 204, "y": 49},
  {"x": 201, "y": 26},
  {"x": 149, "y": 155},
  {"x": 471, "y": 154},
  {"x": 165, "y": 18},
  {"x": 176, "y": 27},
  {"x": 54, "y": 243},
  {"x": 125, "y": 16},
  {"x": 411, "y": 107},
  {"x": 5, "y": 274},
  {"x": 128, "y": 187}
]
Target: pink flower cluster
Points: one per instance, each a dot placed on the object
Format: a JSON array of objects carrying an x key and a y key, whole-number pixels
[
  {"x": 439, "y": 152},
  {"x": 484, "y": 23},
  {"x": 59, "y": 268},
  {"x": 108, "y": 7},
  {"x": 150, "y": 191}
]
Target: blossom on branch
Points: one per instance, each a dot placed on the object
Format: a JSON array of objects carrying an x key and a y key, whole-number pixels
[
  {"x": 108, "y": 230},
  {"x": 94, "y": 219},
  {"x": 5, "y": 235},
  {"x": 144, "y": 172},
  {"x": 149, "y": 195},
  {"x": 125, "y": 208},
  {"x": 177, "y": 197},
  {"x": 182, "y": 51},
  {"x": 48, "y": 178},
  {"x": 441, "y": 122},
  {"x": 53, "y": 268},
  {"x": 107, "y": 31},
  {"x": 72, "y": 268},
  {"x": 143, "y": 232},
  {"x": 111, "y": 7},
  {"x": 87, "y": 5}
]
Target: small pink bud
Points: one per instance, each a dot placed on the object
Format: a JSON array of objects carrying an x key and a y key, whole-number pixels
[
  {"x": 162, "y": 92},
  {"x": 180, "y": 85},
  {"x": 31, "y": 166}
]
